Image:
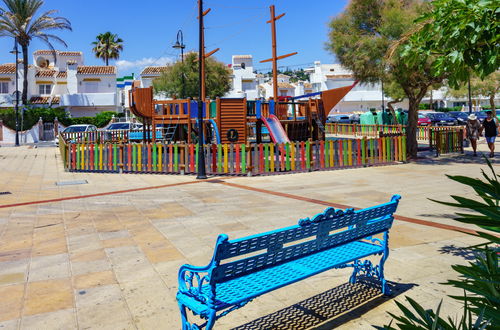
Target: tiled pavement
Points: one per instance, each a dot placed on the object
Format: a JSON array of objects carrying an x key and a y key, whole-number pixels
[{"x": 111, "y": 261}]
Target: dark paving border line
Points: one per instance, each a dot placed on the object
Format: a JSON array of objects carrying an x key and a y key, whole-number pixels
[
  {"x": 98, "y": 194},
  {"x": 342, "y": 206}
]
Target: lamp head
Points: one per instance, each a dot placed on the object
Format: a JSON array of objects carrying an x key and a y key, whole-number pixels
[{"x": 177, "y": 45}]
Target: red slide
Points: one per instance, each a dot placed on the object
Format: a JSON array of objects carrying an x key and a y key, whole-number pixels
[{"x": 276, "y": 130}]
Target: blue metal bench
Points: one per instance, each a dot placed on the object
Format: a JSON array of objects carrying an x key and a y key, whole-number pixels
[{"x": 245, "y": 268}]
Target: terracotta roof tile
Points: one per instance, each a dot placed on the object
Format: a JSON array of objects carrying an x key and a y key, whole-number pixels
[
  {"x": 44, "y": 52},
  {"x": 308, "y": 85},
  {"x": 339, "y": 76},
  {"x": 62, "y": 74},
  {"x": 96, "y": 70},
  {"x": 7, "y": 68},
  {"x": 69, "y": 53},
  {"x": 40, "y": 99},
  {"x": 45, "y": 73},
  {"x": 242, "y": 56},
  {"x": 45, "y": 100},
  {"x": 154, "y": 70},
  {"x": 61, "y": 53},
  {"x": 284, "y": 85}
]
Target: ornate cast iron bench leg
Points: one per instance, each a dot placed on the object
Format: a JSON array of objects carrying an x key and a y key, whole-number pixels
[
  {"x": 366, "y": 268},
  {"x": 186, "y": 325}
]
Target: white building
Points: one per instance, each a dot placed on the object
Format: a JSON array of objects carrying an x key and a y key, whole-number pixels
[
  {"x": 150, "y": 73},
  {"x": 362, "y": 97},
  {"x": 60, "y": 78},
  {"x": 244, "y": 80}
]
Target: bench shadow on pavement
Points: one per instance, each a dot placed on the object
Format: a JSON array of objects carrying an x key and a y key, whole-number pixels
[{"x": 329, "y": 309}]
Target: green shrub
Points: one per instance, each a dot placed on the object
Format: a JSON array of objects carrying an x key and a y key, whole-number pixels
[{"x": 32, "y": 115}]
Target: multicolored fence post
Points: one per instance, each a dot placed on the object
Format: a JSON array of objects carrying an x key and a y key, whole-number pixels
[{"x": 229, "y": 159}]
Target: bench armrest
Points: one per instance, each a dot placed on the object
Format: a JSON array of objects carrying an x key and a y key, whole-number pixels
[{"x": 192, "y": 279}]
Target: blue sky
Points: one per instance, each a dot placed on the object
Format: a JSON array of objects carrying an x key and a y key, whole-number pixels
[{"x": 149, "y": 29}]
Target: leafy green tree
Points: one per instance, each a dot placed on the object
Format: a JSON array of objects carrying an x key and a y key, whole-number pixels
[
  {"x": 465, "y": 35},
  {"x": 180, "y": 80},
  {"x": 366, "y": 39},
  {"x": 21, "y": 19},
  {"x": 107, "y": 46},
  {"x": 488, "y": 87}
]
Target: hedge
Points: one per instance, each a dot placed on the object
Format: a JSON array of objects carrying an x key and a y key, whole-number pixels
[{"x": 33, "y": 114}]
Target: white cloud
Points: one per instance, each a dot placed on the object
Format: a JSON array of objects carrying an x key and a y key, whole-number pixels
[{"x": 124, "y": 65}]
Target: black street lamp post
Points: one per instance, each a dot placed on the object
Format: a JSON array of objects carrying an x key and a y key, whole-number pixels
[
  {"x": 383, "y": 101},
  {"x": 201, "y": 152},
  {"x": 179, "y": 44},
  {"x": 470, "y": 97},
  {"x": 16, "y": 51}
]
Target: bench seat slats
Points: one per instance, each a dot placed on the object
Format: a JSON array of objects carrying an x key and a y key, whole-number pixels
[
  {"x": 280, "y": 254},
  {"x": 255, "y": 284}
]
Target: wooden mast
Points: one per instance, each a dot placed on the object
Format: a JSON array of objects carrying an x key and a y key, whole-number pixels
[
  {"x": 203, "y": 56},
  {"x": 275, "y": 58}
]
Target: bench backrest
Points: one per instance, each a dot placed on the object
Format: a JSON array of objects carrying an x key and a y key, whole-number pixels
[{"x": 324, "y": 231}]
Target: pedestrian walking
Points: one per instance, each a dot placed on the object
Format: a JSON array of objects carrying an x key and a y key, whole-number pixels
[
  {"x": 473, "y": 131},
  {"x": 490, "y": 126}
]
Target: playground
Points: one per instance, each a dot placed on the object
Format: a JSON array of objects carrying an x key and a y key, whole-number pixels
[{"x": 103, "y": 250}]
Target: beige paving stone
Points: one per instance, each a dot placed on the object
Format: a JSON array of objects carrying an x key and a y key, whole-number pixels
[
  {"x": 48, "y": 296},
  {"x": 114, "y": 234},
  {"x": 14, "y": 255},
  {"x": 117, "y": 242},
  {"x": 91, "y": 255},
  {"x": 50, "y": 248},
  {"x": 49, "y": 267},
  {"x": 59, "y": 320},
  {"x": 94, "y": 279},
  {"x": 11, "y": 302},
  {"x": 10, "y": 325},
  {"x": 103, "y": 307},
  {"x": 148, "y": 301},
  {"x": 93, "y": 266},
  {"x": 12, "y": 278}
]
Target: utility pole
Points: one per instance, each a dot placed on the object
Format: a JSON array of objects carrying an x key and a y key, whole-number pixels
[
  {"x": 383, "y": 101},
  {"x": 275, "y": 58},
  {"x": 201, "y": 72},
  {"x": 470, "y": 98},
  {"x": 16, "y": 51}
]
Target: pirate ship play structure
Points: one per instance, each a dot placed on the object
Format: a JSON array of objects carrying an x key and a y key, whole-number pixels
[{"x": 231, "y": 120}]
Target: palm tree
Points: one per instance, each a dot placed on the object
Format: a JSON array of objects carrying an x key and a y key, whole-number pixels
[
  {"x": 18, "y": 20},
  {"x": 107, "y": 46}
]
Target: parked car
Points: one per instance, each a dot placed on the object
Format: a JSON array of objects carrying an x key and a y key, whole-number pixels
[
  {"x": 481, "y": 115},
  {"x": 354, "y": 118},
  {"x": 124, "y": 126},
  {"x": 423, "y": 120},
  {"x": 339, "y": 119},
  {"x": 460, "y": 117},
  {"x": 80, "y": 128},
  {"x": 77, "y": 129},
  {"x": 441, "y": 119}
]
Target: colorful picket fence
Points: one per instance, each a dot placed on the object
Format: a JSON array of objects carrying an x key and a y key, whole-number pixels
[
  {"x": 234, "y": 159},
  {"x": 363, "y": 130},
  {"x": 447, "y": 141},
  {"x": 424, "y": 132}
]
